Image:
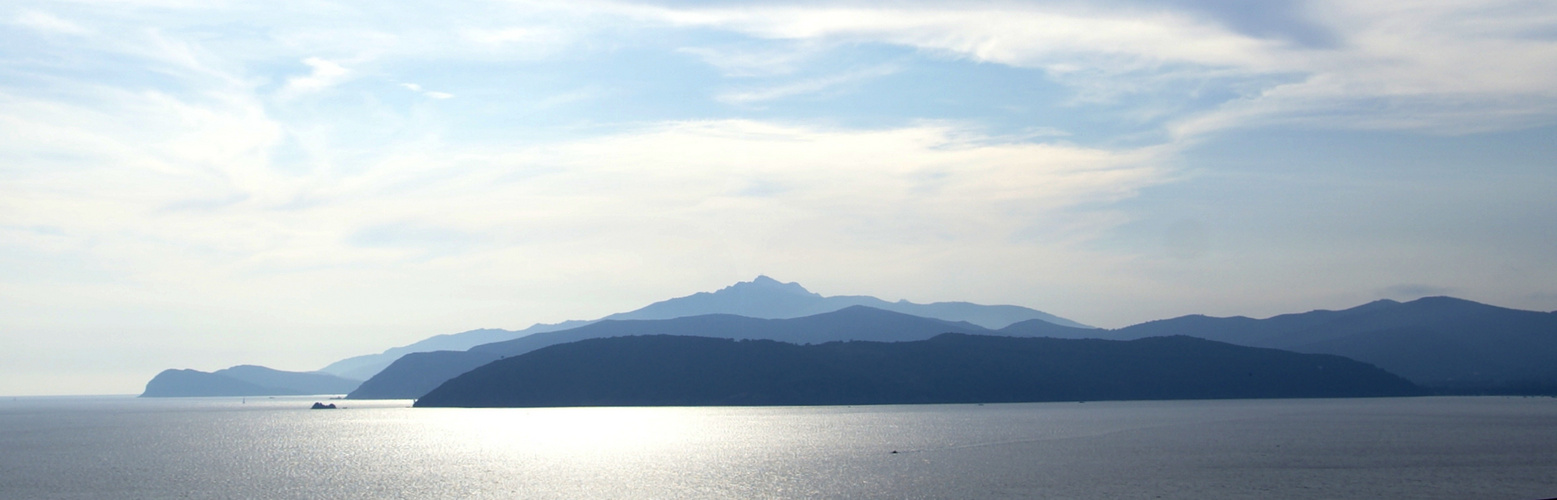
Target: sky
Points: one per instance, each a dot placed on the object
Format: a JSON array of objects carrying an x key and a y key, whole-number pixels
[{"x": 200, "y": 184}]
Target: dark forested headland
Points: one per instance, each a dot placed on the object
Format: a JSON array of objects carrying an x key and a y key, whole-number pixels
[{"x": 665, "y": 370}]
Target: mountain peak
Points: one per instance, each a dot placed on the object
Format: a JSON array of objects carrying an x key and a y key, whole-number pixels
[
  {"x": 1444, "y": 299},
  {"x": 1445, "y": 303},
  {"x": 763, "y": 283}
]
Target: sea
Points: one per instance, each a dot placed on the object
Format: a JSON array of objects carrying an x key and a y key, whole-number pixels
[{"x": 1430, "y": 447}]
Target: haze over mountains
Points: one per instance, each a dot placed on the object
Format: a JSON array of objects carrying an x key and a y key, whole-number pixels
[
  {"x": 762, "y": 297},
  {"x": 366, "y": 366},
  {"x": 767, "y": 298},
  {"x": 245, "y": 380},
  {"x": 1449, "y": 345},
  {"x": 415, "y": 374},
  {"x": 1440, "y": 342}
]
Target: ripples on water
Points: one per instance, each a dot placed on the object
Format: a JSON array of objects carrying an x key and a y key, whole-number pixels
[{"x": 277, "y": 448}]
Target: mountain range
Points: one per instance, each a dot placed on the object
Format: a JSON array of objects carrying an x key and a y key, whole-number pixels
[
  {"x": 415, "y": 374},
  {"x": 664, "y": 370},
  {"x": 1451, "y": 344},
  {"x": 763, "y": 298}
]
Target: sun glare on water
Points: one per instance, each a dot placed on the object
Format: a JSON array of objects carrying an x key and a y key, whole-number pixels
[{"x": 563, "y": 431}]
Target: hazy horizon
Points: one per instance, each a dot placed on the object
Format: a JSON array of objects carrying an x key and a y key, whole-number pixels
[{"x": 206, "y": 184}]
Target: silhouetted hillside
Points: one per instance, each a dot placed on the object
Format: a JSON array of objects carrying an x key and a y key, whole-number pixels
[
  {"x": 852, "y": 323},
  {"x": 414, "y": 374},
  {"x": 298, "y": 382},
  {"x": 366, "y": 366},
  {"x": 416, "y": 377},
  {"x": 195, "y": 383},
  {"x": 767, "y": 298},
  {"x": 950, "y": 368},
  {"x": 1441, "y": 342},
  {"x": 244, "y": 380},
  {"x": 1041, "y": 328},
  {"x": 763, "y": 297}
]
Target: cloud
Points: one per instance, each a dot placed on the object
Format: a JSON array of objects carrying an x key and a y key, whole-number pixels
[
  {"x": 825, "y": 189},
  {"x": 584, "y": 94},
  {"x": 323, "y": 74},
  {"x": 1450, "y": 67},
  {"x": 1439, "y": 67},
  {"x": 1447, "y": 67},
  {"x": 43, "y": 21},
  {"x": 748, "y": 61},
  {"x": 1059, "y": 38},
  {"x": 655, "y": 192},
  {"x": 429, "y": 93},
  {"x": 530, "y": 36},
  {"x": 807, "y": 86}
]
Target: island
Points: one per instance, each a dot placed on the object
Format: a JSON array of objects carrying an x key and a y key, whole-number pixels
[{"x": 664, "y": 370}]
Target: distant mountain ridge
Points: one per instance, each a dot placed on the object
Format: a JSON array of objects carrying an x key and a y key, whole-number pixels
[
  {"x": 1451, "y": 345},
  {"x": 1443, "y": 342},
  {"x": 767, "y": 298},
  {"x": 365, "y": 366},
  {"x": 850, "y": 323},
  {"x": 415, "y": 374},
  {"x": 245, "y": 380},
  {"x": 762, "y": 297},
  {"x": 662, "y": 370}
]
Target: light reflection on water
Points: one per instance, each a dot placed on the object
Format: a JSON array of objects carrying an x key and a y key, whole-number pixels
[{"x": 257, "y": 448}]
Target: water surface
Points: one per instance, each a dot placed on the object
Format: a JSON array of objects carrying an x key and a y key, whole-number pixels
[{"x": 276, "y": 448}]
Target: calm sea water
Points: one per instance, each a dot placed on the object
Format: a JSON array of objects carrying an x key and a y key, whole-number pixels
[{"x": 277, "y": 448}]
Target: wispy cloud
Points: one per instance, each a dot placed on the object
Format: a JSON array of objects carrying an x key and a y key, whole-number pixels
[
  {"x": 745, "y": 61},
  {"x": 429, "y": 93},
  {"x": 44, "y": 21},
  {"x": 526, "y": 35},
  {"x": 323, "y": 74},
  {"x": 580, "y": 95},
  {"x": 1051, "y": 37},
  {"x": 1446, "y": 66},
  {"x": 806, "y": 86},
  {"x": 841, "y": 189}
]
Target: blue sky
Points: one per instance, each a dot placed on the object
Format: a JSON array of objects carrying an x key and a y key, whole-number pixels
[{"x": 203, "y": 184}]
